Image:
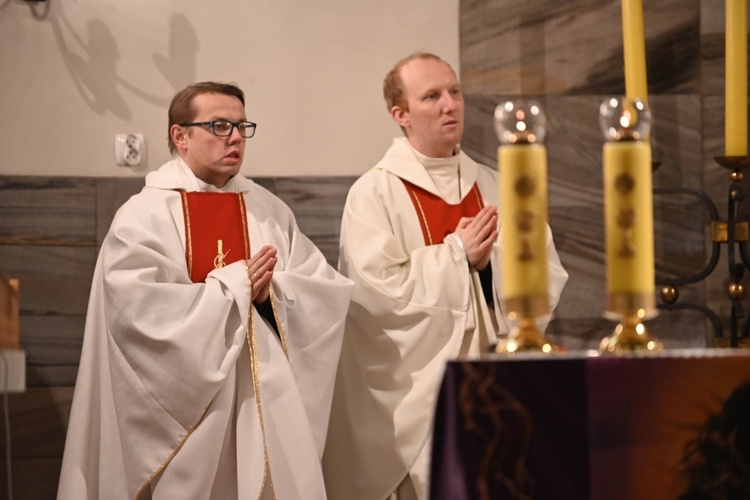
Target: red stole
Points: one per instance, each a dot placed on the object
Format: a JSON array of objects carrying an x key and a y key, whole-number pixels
[
  {"x": 215, "y": 231},
  {"x": 439, "y": 218}
]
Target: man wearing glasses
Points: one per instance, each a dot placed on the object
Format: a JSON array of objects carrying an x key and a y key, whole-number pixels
[{"x": 208, "y": 357}]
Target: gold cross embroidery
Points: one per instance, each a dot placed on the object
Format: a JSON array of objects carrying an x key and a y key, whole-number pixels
[{"x": 219, "y": 259}]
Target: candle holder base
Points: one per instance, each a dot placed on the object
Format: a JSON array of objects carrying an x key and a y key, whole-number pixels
[
  {"x": 629, "y": 336},
  {"x": 736, "y": 163},
  {"x": 525, "y": 337}
]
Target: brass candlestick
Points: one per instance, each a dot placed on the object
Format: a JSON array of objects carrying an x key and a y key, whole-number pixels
[
  {"x": 628, "y": 222},
  {"x": 631, "y": 334},
  {"x": 522, "y": 163},
  {"x": 525, "y": 335}
]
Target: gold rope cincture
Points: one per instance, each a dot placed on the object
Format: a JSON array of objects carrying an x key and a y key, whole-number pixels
[{"x": 253, "y": 345}]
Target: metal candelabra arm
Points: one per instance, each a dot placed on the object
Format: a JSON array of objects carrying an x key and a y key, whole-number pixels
[
  {"x": 742, "y": 225},
  {"x": 715, "y": 247},
  {"x": 669, "y": 291},
  {"x": 736, "y": 234}
]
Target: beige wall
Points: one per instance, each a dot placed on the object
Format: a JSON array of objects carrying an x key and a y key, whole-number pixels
[{"x": 74, "y": 73}]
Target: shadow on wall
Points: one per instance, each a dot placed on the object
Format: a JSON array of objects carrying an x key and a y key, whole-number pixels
[{"x": 91, "y": 62}]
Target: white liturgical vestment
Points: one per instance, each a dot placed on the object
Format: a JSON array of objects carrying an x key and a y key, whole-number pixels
[
  {"x": 184, "y": 390},
  {"x": 414, "y": 307}
]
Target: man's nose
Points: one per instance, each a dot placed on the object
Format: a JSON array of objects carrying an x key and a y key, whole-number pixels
[
  {"x": 235, "y": 135},
  {"x": 449, "y": 103}
]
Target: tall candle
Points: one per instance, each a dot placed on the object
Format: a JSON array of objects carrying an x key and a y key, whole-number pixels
[
  {"x": 735, "y": 140},
  {"x": 634, "y": 50},
  {"x": 523, "y": 195},
  {"x": 628, "y": 218}
]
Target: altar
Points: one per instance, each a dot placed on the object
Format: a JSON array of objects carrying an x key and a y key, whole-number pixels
[{"x": 585, "y": 426}]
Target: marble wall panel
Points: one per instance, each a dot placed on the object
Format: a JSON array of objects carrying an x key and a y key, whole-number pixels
[
  {"x": 318, "y": 204},
  {"x": 54, "y": 285},
  {"x": 38, "y": 422},
  {"x": 677, "y": 140},
  {"x": 574, "y": 47},
  {"x": 48, "y": 242},
  {"x": 712, "y": 47},
  {"x": 514, "y": 47},
  {"x": 33, "y": 478},
  {"x": 53, "y": 280},
  {"x": 715, "y": 178},
  {"x": 568, "y": 55},
  {"x": 574, "y": 141},
  {"x": 47, "y": 211},
  {"x": 53, "y": 348},
  {"x": 110, "y": 195}
]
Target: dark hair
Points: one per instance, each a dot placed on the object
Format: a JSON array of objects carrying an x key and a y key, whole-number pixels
[
  {"x": 393, "y": 85},
  {"x": 181, "y": 109},
  {"x": 717, "y": 462}
]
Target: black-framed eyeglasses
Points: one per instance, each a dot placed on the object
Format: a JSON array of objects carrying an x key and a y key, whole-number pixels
[{"x": 224, "y": 128}]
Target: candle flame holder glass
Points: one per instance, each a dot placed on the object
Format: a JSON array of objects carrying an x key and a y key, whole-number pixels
[
  {"x": 522, "y": 163},
  {"x": 520, "y": 122},
  {"x": 628, "y": 221},
  {"x": 621, "y": 118}
]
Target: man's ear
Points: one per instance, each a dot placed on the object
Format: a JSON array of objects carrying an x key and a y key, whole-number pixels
[
  {"x": 179, "y": 136},
  {"x": 400, "y": 116}
]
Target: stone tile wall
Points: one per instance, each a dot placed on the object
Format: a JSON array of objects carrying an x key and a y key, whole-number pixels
[{"x": 568, "y": 55}]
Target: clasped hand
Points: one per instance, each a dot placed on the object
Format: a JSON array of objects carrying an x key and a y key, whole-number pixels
[
  {"x": 260, "y": 269},
  {"x": 478, "y": 235}
]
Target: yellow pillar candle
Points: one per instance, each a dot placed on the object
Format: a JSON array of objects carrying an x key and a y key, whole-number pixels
[
  {"x": 735, "y": 140},
  {"x": 523, "y": 195},
  {"x": 628, "y": 219},
  {"x": 634, "y": 50}
]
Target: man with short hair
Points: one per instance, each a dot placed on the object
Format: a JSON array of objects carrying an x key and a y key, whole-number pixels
[
  {"x": 419, "y": 237},
  {"x": 212, "y": 335}
]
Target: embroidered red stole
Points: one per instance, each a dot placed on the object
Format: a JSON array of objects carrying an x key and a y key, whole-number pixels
[
  {"x": 215, "y": 231},
  {"x": 438, "y": 218}
]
